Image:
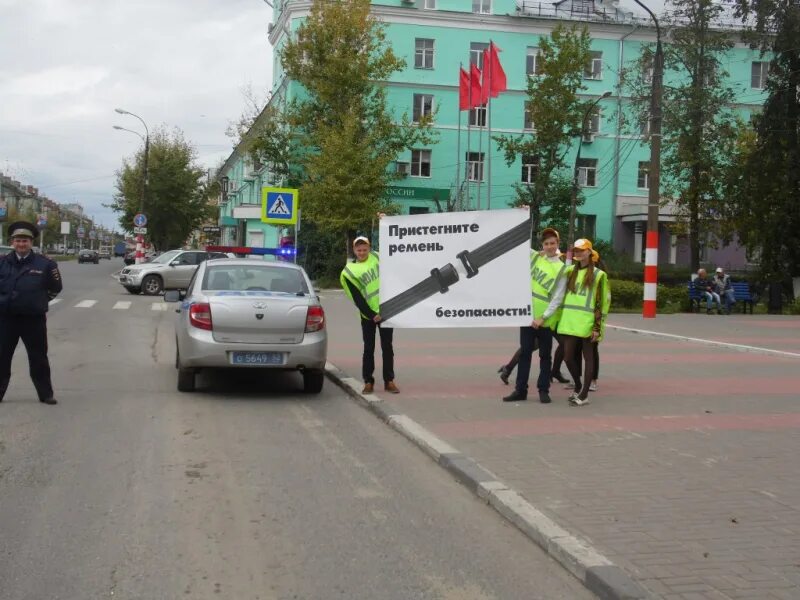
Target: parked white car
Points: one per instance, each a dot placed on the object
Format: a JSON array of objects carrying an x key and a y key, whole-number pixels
[
  {"x": 241, "y": 313},
  {"x": 170, "y": 271}
]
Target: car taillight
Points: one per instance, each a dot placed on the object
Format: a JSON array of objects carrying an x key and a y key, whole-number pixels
[
  {"x": 200, "y": 315},
  {"x": 315, "y": 319}
]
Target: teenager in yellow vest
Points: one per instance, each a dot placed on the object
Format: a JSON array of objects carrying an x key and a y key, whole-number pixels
[
  {"x": 360, "y": 280},
  {"x": 582, "y": 322},
  {"x": 548, "y": 284}
]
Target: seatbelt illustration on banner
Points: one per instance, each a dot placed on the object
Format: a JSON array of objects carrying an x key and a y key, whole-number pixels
[{"x": 442, "y": 278}]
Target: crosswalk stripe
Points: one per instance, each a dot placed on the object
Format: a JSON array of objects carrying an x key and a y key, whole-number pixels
[
  {"x": 159, "y": 306},
  {"x": 86, "y": 304},
  {"x": 122, "y": 305},
  {"x": 54, "y": 301}
]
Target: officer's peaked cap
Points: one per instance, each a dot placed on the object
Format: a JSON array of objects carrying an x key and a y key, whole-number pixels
[{"x": 22, "y": 229}]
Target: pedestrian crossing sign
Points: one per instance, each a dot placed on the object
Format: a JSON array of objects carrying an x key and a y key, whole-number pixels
[{"x": 279, "y": 205}]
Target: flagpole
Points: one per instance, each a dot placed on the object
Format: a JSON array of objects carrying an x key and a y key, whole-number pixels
[
  {"x": 469, "y": 145},
  {"x": 459, "y": 200},
  {"x": 489, "y": 137},
  {"x": 480, "y": 162}
]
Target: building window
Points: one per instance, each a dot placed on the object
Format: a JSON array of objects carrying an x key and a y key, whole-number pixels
[
  {"x": 418, "y": 210},
  {"x": 643, "y": 178},
  {"x": 477, "y": 116},
  {"x": 476, "y": 53},
  {"x": 758, "y": 75},
  {"x": 530, "y": 168},
  {"x": 423, "y": 54},
  {"x": 430, "y": 5},
  {"x": 475, "y": 166},
  {"x": 483, "y": 7},
  {"x": 586, "y": 226},
  {"x": 527, "y": 121},
  {"x": 594, "y": 68},
  {"x": 423, "y": 106},
  {"x": 644, "y": 126},
  {"x": 593, "y": 122},
  {"x": 587, "y": 172},
  {"x": 533, "y": 62},
  {"x": 420, "y": 163}
]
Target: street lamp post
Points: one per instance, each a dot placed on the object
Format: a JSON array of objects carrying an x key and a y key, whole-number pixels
[
  {"x": 574, "y": 200},
  {"x": 654, "y": 172},
  {"x": 139, "y": 237}
]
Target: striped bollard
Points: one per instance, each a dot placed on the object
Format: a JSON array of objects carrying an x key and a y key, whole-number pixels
[
  {"x": 650, "y": 275},
  {"x": 139, "y": 249}
]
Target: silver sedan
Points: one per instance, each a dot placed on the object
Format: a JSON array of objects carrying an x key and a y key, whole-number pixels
[{"x": 240, "y": 313}]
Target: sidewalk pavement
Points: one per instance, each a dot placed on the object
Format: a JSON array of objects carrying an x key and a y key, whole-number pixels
[{"x": 683, "y": 470}]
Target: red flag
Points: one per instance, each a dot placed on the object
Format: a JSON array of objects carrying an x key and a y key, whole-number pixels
[
  {"x": 475, "y": 86},
  {"x": 463, "y": 90},
  {"x": 493, "y": 74}
]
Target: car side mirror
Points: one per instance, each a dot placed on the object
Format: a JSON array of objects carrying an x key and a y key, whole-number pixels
[
  {"x": 175, "y": 263},
  {"x": 173, "y": 296}
]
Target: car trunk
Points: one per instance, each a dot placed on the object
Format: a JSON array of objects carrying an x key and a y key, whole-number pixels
[{"x": 235, "y": 318}]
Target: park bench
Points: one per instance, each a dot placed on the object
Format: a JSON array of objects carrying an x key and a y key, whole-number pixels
[{"x": 741, "y": 291}]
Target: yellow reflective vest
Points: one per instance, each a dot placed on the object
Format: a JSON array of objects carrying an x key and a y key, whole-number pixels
[
  {"x": 366, "y": 277},
  {"x": 545, "y": 275},
  {"x": 578, "y": 314}
]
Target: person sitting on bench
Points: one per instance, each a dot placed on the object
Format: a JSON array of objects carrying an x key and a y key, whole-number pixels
[{"x": 706, "y": 289}]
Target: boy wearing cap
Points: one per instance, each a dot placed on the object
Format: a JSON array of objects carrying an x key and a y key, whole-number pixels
[
  {"x": 724, "y": 288},
  {"x": 360, "y": 280},
  {"x": 28, "y": 282},
  {"x": 548, "y": 284}
]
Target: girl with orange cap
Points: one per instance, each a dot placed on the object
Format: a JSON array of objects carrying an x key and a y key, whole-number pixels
[{"x": 582, "y": 322}]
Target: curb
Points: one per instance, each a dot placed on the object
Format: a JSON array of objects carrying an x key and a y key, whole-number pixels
[{"x": 598, "y": 574}]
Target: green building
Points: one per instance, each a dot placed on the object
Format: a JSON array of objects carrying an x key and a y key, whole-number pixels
[{"x": 435, "y": 37}]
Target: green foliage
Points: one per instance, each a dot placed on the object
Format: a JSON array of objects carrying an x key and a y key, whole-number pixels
[
  {"x": 557, "y": 111},
  {"x": 177, "y": 198},
  {"x": 699, "y": 125},
  {"x": 626, "y": 294},
  {"x": 764, "y": 179},
  {"x": 343, "y": 135}
]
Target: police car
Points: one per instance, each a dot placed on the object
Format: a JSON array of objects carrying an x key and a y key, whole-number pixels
[{"x": 244, "y": 314}]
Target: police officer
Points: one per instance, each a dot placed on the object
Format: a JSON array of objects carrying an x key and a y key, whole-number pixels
[
  {"x": 28, "y": 282},
  {"x": 360, "y": 280},
  {"x": 548, "y": 285}
]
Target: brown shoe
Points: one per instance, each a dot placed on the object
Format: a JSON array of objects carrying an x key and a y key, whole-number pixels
[
  {"x": 368, "y": 388},
  {"x": 391, "y": 387}
]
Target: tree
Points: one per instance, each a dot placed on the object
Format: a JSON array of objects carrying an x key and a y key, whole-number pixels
[
  {"x": 700, "y": 125},
  {"x": 765, "y": 203},
  {"x": 343, "y": 135},
  {"x": 557, "y": 112},
  {"x": 177, "y": 196}
]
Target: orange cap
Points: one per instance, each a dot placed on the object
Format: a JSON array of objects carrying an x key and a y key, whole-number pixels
[{"x": 582, "y": 244}]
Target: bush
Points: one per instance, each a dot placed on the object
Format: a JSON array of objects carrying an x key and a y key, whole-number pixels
[{"x": 626, "y": 294}]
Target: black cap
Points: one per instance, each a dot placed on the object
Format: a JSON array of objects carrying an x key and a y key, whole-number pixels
[{"x": 22, "y": 228}]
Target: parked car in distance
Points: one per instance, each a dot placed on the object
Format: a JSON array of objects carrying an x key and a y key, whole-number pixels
[
  {"x": 88, "y": 256},
  {"x": 104, "y": 252},
  {"x": 244, "y": 314},
  {"x": 70, "y": 252},
  {"x": 170, "y": 271}
]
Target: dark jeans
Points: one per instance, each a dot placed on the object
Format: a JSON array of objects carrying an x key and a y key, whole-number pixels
[
  {"x": 528, "y": 336},
  {"x": 33, "y": 332},
  {"x": 368, "y": 360}
]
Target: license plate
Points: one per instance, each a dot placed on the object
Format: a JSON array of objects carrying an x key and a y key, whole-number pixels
[{"x": 257, "y": 358}]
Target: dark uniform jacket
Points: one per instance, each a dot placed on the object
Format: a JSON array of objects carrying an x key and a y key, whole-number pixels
[{"x": 27, "y": 285}]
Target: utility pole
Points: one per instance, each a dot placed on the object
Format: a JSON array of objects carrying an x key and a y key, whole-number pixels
[{"x": 654, "y": 176}]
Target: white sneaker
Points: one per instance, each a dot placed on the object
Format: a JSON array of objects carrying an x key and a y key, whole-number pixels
[
  {"x": 593, "y": 386},
  {"x": 578, "y": 402}
]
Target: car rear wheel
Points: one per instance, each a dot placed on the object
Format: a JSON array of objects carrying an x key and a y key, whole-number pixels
[
  {"x": 152, "y": 285},
  {"x": 312, "y": 381}
]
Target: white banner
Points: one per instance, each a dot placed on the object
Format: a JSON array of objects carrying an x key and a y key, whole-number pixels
[
  {"x": 498, "y": 295},
  {"x": 64, "y": 227}
]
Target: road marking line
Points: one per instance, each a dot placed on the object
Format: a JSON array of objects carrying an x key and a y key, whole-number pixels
[
  {"x": 159, "y": 306},
  {"x": 740, "y": 347},
  {"x": 122, "y": 305},
  {"x": 86, "y": 304},
  {"x": 54, "y": 301}
]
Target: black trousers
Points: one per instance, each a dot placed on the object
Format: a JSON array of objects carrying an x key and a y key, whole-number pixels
[
  {"x": 528, "y": 337},
  {"x": 368, "y": 360},
  {"x": 33, "y": 332}
]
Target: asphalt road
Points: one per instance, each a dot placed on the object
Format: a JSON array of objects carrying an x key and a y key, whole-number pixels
[{"x": 247, "y": 489}]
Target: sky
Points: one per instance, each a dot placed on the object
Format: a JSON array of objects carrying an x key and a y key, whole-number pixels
[{"x": 67, "y": 64}]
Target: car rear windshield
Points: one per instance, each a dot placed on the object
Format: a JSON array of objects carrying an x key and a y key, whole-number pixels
[{"x": 254, "y": 277}]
